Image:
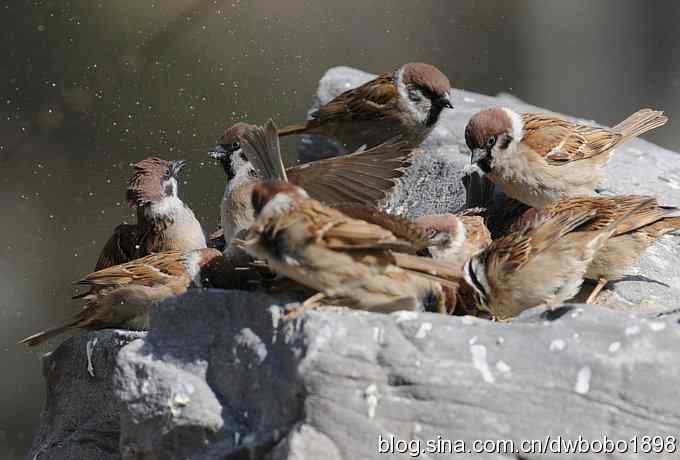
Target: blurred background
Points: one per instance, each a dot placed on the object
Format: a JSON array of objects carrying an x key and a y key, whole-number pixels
[{"x": 88, "y": 87}]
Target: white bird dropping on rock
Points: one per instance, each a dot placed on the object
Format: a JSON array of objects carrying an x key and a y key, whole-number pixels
[
  {"x": 480, "y": 363},
  {"x": 371, "y": 396},
  {"x": 583, "y": 380}
]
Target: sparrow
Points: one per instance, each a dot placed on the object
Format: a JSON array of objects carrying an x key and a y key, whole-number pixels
[
  {"x": 251, "y": 153},
  {"x": 539, "y": 159},
  {"x": 406, "y": 102},
  {"x": 122, "y": 295},
  {"x": 542, "y": 262},
  {"x": 647, "y": 222},
  {"x": 455, "y": 237},
  {"x": 349, "y": 261},
  {"x": 164, "y": 222}
]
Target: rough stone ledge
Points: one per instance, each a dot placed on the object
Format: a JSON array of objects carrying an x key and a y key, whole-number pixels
[
  {"x": 221, "y": 376},
  {"x": 81, "y": 416}
]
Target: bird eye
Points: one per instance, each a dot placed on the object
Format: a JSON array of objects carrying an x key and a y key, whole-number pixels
[
  {"x": 235, "y": 145},
  {"x": 491, "y": 142}
]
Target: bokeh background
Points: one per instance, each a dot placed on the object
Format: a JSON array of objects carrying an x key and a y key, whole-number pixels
[{"x": 88, "y": 87}]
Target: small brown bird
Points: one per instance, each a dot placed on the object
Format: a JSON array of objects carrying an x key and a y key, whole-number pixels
[
  {"x": 455, "y": 238},
  {"x": 164, "y": 222},
  {"x": 539, "y": 159},
  {"x": 646, "y": 223},
  {"x": 542, "y": 262},
  {"x": 350, "y": 262},
  {"x": 250, "y": 153},
  {"x": 122, "y": 295},
  {"x": 406, "y": 102}
]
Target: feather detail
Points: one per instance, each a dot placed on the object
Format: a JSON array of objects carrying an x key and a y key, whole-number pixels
[
  {"x": 293, "y": 129},
  {"x": 121, "y": 247},
  {"x": 364, "y": 177},
  {"x": 435, "y": 270},
  {"x": 560, "y": 141},
  {"x": 261, "y": 147}
]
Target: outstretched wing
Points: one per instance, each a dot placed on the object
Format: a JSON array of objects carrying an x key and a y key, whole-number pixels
[
  {"x": 261, "y": 147},
  {"x": 364, "y": 177}
]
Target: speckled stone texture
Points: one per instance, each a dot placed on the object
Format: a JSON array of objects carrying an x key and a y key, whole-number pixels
[
  {"x": 238, "y": 379},
  {"x": 81, "y": 416}
]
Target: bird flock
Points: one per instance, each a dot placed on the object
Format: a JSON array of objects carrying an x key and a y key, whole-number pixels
[{"x": 318, "y": 231}]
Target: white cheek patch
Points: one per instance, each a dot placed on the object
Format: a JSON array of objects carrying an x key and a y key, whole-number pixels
[
  {"x": 167, "y": 206},
  {"x": 416, "y": 113},
  {"x": 517, "y": 125}
]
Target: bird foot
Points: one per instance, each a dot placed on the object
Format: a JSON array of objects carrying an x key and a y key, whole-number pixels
[
  {"x": 596, "y": 291},
  {"x": 311, "y": 303}
]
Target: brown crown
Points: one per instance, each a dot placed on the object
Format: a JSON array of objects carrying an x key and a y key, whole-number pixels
[
  {"x": 235, "y": 132},
  {"x": 485, "y": 124},
  {"x": 145, "y": 184},
  {"x": 428, "y": 77}
]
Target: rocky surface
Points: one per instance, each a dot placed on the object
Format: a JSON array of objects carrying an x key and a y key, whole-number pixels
[
  {"x": 81, "y": 416},
  {"x": 221, "y": 376}
]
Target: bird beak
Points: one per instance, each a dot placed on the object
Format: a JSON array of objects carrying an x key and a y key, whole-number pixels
[
  {"x": 444, "y": 101},
  {"x": 218, "y": 153},
  {"x": 478, "y": 155},
  {"x": 177, "y": 165}
]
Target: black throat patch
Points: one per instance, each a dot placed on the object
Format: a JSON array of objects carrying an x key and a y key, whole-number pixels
[
  {"x": 433, "y": 116},
  {"x": 485, "y": 163}
]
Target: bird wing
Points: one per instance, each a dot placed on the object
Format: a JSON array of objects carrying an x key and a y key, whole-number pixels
[
  {"x": 560, "y": 141},
  {"x": 642, "y": 210},
  {"x": 261, "y": 147},
  {"x": 158, "y": 268},
  {"x": 510, "y": 253},
  {"x": 337, "y": 231},
  {"x": 399, "y": 226},
  {"x": 365, "y": 102},
  {"x": 121, "y": 247},
  {"x": 364, "y": 177},
  {"x": 436, "y": 270}
]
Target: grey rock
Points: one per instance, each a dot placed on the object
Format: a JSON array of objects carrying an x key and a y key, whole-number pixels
[
  {"x": 237, "y": 380},
  {"x": 213, "y": 368},
  {"x": 221, "y": 376},
  {"x": 81, "y": 417}
]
